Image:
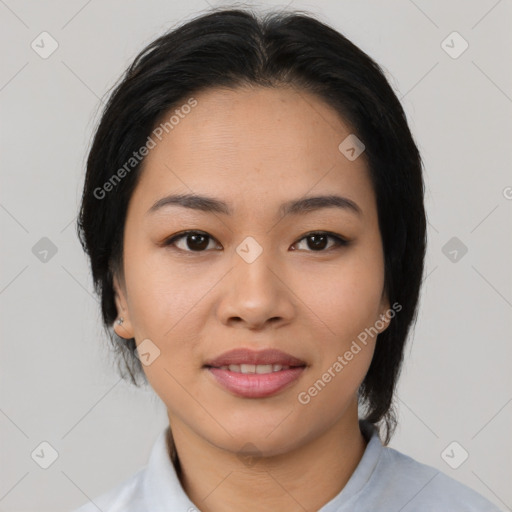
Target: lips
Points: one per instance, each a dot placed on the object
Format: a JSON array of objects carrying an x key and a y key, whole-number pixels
[
  {"x": 246, "y": 357},
  {"x": 255, "y": 374}
]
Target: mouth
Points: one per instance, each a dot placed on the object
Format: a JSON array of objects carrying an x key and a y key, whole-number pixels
[
  {"x": 249, "y": 360},
  {"x": 248, "y": 369},
  {"x": 249, "y": 374}
]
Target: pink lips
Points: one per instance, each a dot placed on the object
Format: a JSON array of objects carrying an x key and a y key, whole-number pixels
[
  {"x": 245, "y": 356},
  {"x": 255, "y": 385}
]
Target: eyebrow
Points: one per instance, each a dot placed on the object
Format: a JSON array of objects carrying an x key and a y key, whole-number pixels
[{"x": 294, "y": 207}]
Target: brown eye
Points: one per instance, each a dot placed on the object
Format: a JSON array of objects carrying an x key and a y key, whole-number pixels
[
  {"x": 318, "y": 241},
  {"x": 195, "y": 241}
]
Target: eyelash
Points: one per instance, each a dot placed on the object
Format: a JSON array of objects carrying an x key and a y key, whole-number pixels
[{"x": 339, "y": 241}]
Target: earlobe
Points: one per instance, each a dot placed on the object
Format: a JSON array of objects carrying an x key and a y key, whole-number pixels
[
  {"x": 119, "y": 297},
  {"x": 383, "y": 322},
  {"x": 122, "y": 325},
  {"x": 384, "y": 317}
]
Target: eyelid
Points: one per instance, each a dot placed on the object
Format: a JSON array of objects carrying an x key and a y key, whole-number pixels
[
  {"x": 340, "y": 241},
  {"x": 173, "y": 238}
]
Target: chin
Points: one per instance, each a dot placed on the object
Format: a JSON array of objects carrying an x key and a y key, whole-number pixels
[{"x": 264, "y": 441}]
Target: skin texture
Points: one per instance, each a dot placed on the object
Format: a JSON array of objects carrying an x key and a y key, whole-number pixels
[{"x": 255, "y": 148}]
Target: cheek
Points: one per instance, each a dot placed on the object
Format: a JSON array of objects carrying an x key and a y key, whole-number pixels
[
  {"x": 341, "y": 298},
  {"x": 159, "y": 296},
  {"x": 168, "y": 306}
]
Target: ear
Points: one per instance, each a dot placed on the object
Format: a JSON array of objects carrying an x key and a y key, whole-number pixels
[
  {"x": 125, "y": 330},
  {"x": 384, "y": 318}
]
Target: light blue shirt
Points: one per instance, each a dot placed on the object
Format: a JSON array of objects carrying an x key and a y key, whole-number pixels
[{"x": 385, "y": 480}]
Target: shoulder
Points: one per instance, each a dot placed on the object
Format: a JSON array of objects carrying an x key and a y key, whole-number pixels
[
  {"x": 421, "y": 487},
  {"x": 126, "y": 497}
]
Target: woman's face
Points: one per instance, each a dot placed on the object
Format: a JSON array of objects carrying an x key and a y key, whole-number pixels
[{"x": 253, "y": 279}]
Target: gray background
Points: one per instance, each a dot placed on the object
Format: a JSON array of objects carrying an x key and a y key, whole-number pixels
[{"x": 58, "y": 382}]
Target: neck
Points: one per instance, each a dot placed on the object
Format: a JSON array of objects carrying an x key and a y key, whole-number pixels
[{"x": 305, "y": 478}]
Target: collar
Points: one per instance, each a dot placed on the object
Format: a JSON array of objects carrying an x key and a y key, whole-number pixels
[{"x": 363, "y": 471}]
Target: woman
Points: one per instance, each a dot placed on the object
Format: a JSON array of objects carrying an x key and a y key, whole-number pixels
[{"x": 253, "y": 212}]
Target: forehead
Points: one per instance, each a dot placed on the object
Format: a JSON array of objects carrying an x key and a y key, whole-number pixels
[
  {"x": 260, "y": 123},
  {"x": 257, "y": 145}
]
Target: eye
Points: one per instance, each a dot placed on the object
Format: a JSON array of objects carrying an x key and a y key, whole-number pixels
[
  {"x": 318, "y": 240},
  {"x": 195, "y": 240},
  {"x": 198, "y": 241}
]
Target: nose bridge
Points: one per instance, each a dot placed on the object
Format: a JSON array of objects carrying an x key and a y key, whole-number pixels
[
  {"x": 255, "y": 292},
  {"x": 253, "y": 262}
]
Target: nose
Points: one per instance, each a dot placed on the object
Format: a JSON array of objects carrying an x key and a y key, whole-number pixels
[{"x": 256, "y": 294}]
